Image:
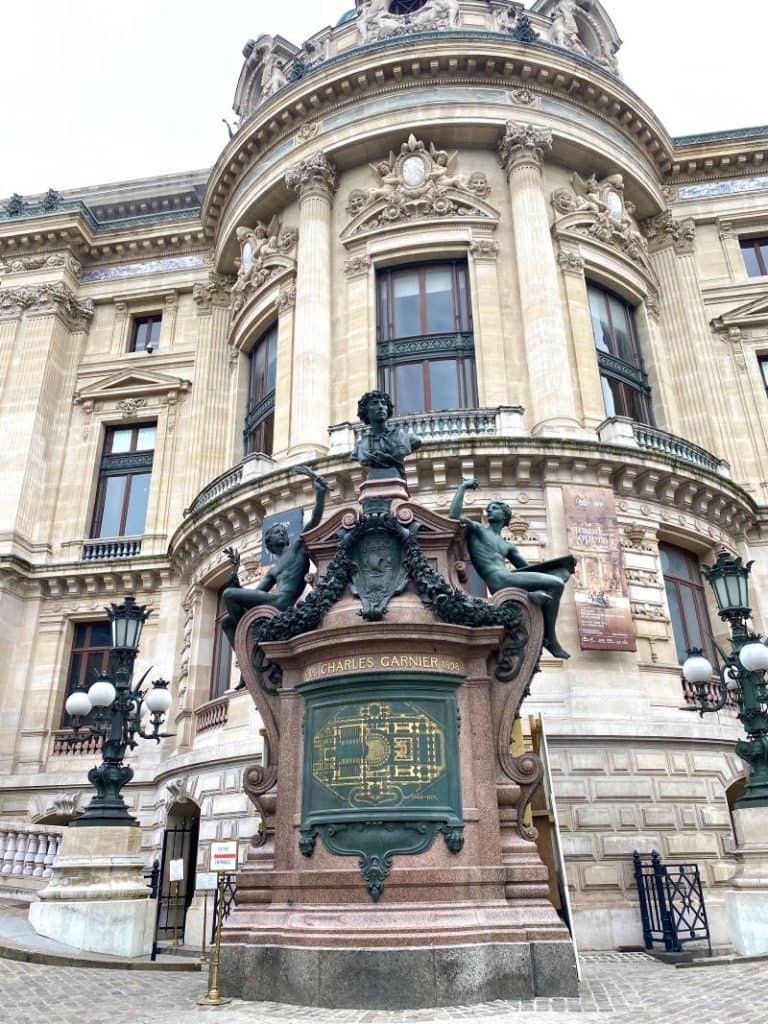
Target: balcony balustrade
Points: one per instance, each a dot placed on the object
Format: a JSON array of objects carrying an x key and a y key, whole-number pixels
[
  {"x": 27, "y": 851},
  {"x": 105, "y": 549}
]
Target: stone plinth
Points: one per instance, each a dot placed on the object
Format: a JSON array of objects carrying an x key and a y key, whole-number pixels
[
  {"x": 748, "y": 906},
  {"x": 97, "y": 898},
  {"x": 422, "y": 870}
]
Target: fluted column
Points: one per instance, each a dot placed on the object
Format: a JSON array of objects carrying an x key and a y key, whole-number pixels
[
  {"x": 552, "y": 408},
  {"x": 591, "y": 405},
  {"x": 314, "y": 179},
  {"x": 493, "y": 375}
]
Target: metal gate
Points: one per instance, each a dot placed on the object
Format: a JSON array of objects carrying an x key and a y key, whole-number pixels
[
  {"x": 179, "y": 843},
  {"x": 671, "y": 903},
  {"x": 230, "y": 899}
]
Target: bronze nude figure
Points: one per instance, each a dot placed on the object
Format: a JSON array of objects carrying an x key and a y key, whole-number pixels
[{"x": 489, "y": 553}]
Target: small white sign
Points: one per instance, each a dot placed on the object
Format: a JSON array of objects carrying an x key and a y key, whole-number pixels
[
  {"x": 177, "y": 870},
  {"x": 205, "y": 881},
  {"x": 223, "y": 856}
]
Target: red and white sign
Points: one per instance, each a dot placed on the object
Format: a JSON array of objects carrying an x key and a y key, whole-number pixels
[{"x": 223, "y": 856}]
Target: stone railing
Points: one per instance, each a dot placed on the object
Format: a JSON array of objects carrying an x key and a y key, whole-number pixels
[
  {"x": 117, "y": 547},
  {"x": 82, "y": 745},
  {"x": 651, "y": 439},
  {"x": 252, "y": 467},
  {"x": 711, "y": 693},
  {"x": 212, "y": 715},
  {"x": 27, "y": 851},
  {"x": 445, "y": 425}
]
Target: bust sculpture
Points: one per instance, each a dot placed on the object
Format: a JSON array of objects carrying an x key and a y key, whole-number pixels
[
  {"x": 383, "y": 448},
  {"x": 489, "y": 553}
]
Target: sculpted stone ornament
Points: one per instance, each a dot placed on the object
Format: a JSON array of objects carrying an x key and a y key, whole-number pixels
[
  {"x": 524, "y": 144},
  {"x": 489, "y": 553},
  {"x": 263, "y": 255},
  {"x": 314, "y": 176},
  {"x": 376, "y": 21},
  {"x": 598, "y": 209},
  {"x": 284, "y": 582},
  {"x": 383, "y": 449}
]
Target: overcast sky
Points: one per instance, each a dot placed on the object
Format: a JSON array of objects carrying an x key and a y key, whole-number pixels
[{"x": 95, "y": 91}]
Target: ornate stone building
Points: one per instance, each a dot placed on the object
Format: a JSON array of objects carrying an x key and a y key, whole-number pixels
[{"x": 460, "y": 201}]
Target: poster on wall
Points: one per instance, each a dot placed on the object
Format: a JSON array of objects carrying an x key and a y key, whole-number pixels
[{"x": 602, "y": 600}]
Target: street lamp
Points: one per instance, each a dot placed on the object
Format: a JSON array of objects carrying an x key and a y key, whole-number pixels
[
  {"x": 742, "y": 674},
  {"x": 116, "y": 710}
]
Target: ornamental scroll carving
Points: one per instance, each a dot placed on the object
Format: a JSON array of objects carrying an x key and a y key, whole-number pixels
[
  {"x": 47, "y": 300},
  {"x": 418, "y": 183},
  {"x": 375, "y": 20},
  {"x": 264, "y": 256},
  {"x": 597, "y": 209},
  {"x": 41, "y": 261}
]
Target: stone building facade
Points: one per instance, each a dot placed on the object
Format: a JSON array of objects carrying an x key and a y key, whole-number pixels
[{"x": 463, "y": 202}]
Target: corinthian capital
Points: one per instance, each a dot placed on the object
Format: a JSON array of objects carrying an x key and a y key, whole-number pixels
[
  {"x": 47, "y": 300},
  {"x": 524, "y": 144},
  {"x": 663, "y": 230},
  {"x": 314, "y": 176}
]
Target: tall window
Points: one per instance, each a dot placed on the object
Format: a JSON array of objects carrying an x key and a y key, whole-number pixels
[
  {"x": 145, "y": 332},
  {"x": 90, "y": 656},
  {"x": 260, "y": 416},
  {"x": 222, "y": 667},
  {"x": 755, "y": 253},
  {"x": 625, "y": 385},
  {"x": 124, "y": 475},
  {"x": 426, "y": 350},
  {"x": 687, "y": 605}
]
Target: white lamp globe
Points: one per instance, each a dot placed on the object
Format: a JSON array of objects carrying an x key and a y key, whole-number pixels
[
  {"x": 754, "y": 657},
  {"x": 697, "y": 669},
  {"x": 158, "y": 700},
  {"x": 101, "y": 693},
  {"x": 78, "y": 705}
]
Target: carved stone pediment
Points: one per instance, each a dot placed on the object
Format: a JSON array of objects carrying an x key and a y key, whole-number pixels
[
  {"x": 132, "y": 390},
  {"x": 376, "y": 20},
  {"x": 584, "y": 27},
  {"x": 597, "y": 209},
  {"x": 264, "y": 257},
  {"x": 264, "y": 72},
  {"x": 419, "y": 183},
  {"x": 742, "y": 318}
]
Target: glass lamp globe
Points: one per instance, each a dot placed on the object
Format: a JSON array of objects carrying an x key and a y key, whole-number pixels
[
  {"x": 697, "y": 669},
  {"x": 754, "y": 657},
  {"x": 158, "y": 700},
  {"x": 78, "y": 704},
  {"x": 101, "y": 694}
]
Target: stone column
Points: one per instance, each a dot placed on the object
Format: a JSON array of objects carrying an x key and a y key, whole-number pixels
[
  {"x": 591, "y": 402},
  {"x": 358, "y": 373},
  {"x": 552, "y": 407},
  {"x": 286, "y": 303},
  {"x": 314, "y": 179},
  {"x": 492, "y": 374}
]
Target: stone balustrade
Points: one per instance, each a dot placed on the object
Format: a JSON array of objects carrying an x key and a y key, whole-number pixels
[
  {"x": 443, "y": 425},
  {"x": 27, "y": 851},
  {"x": 711, "y": 694},
  {"x": 212, "y": 715},
  {"x": 118, "y": 547},
  {"x": 655, "y": 440},
  {"x": 63, "y": 743}
]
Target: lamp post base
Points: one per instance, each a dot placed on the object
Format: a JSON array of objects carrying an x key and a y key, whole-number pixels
[{"x": 107, "y": 808}]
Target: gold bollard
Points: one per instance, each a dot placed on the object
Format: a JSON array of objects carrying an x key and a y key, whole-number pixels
[
  {"x": 213, "y": 996},
  {"x": 204, "y": 947}
]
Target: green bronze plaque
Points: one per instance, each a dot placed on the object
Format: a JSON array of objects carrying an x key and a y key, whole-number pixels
[{"x": 381, "y": 767}]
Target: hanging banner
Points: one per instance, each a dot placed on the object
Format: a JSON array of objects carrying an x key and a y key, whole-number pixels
[{"x": 602, "y": 599}]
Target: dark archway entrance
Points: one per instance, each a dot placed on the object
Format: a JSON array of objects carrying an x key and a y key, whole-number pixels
[{"x": 179, "y": 843}]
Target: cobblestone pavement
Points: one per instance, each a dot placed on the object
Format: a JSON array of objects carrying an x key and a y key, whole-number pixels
[{"x": 620, "y": 988}]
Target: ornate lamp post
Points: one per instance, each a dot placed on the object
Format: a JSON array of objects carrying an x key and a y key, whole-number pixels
[
  {"x": 742, "y": 673},
  {"x": 116, "y": 708}
]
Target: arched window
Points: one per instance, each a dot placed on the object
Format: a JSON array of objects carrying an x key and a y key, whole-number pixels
[
  {"x": 426, "y": 348},
  {"x": 625, "y": 385},
  {"x": 405, "y": 6},
  {"x": 260, "y": 416},
  {"x": 683, "y": 583}
]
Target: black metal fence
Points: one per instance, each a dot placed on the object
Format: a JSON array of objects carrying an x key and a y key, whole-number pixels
[
  {"x": 230, "y": 899},
  {"x": 671, "y": 903}
]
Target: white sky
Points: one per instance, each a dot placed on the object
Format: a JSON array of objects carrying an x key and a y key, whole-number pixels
[{"x": 95, "y": 91}]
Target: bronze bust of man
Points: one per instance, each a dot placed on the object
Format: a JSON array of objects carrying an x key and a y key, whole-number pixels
[{"x": 383, "y": 448}]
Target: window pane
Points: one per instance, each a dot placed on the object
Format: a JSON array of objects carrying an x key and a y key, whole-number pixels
[
  {"x": 405, "y": 287},
  {"x": 114, "y": 494},
  {"x": 750, "y": 258},
  {"x": 137, "y": 504},
  {"x": 439, "y": 297},
  {"x": 674, "y": 562},
  {"x": 695, "y": 638},
  {"x": 271, "y": 371},
  {"x": 676, "y": 614},
  {"x": 409, "y": 388},
  {"x": 100, "y": 635},
  {"x": 76, "y": 671},
  {"x": 600, "y": 326},
  {"x": 469, "y": 397},
  {"x": 764, "y": 370},
  {"x": 464, "y": 312},
  {"x": 121, "y": 441},
  {"x": 145, "y": 440},
  {"x": 444, "y": 384},
  {"x": 608, "y": 397},
  {"x": 154, "y": 331},
  {"x": 621, "y": 331}
]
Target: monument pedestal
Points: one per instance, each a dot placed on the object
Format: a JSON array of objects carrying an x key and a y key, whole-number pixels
[
  {"x": 97, "y": 898},
  {"x": 747, "y": 907}
]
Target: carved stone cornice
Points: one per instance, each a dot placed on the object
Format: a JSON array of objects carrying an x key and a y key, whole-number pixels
[
  {"x": 524, "y": 145},
  {"x": 47, "y": 300},
  {"x": 315, "y": 176},
  {"x": 215, "y": 292},
  {"x": 570, "y": 262},
  {"x": 663, "y": 230},
  {"x": 41, "y": 261}
]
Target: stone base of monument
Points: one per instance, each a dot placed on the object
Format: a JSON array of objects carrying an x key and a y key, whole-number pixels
[
  {"x": 747, "y": 907},
  {"x": 97, "y": 899}
]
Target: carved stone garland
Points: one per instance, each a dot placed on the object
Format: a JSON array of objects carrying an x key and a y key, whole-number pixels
[{"x": 263, "y": 256}]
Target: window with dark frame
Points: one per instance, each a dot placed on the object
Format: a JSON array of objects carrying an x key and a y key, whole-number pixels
[
  {"x": 221, "y": 666},
  {"x": 686, "y": 598},
  {"x": 145, "y": 332},
  {"x": 426, "y": 348},
  {"x": 91, "y": 644},
  {"x": 763, "y": 361},
  {"x": 259, "y": 429},
  {"x": 124, "y": 476},
  {"x": 622, "y": 374},
  {"x": 755, "y": 254},
  {"x": 405, "y": 6}
]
